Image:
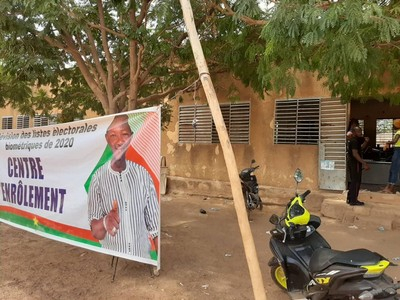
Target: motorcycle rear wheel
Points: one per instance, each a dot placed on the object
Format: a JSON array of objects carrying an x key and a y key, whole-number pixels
[{"x": 278, "y": 276}]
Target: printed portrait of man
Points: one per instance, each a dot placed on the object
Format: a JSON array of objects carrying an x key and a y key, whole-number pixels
[{"x": 123, "y": 207}]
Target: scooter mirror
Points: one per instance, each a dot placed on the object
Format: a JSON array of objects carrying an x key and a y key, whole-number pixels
[
  {"x": 274, "y": 219},
  {"x": 253, "y": 161},
  {"x": 298, "y": 175}
]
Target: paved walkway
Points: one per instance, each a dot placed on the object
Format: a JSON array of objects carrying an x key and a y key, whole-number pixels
[{"x": 380, "y": 210}]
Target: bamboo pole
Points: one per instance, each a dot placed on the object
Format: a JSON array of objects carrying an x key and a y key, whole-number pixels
[{"x": 245, "y": 230}]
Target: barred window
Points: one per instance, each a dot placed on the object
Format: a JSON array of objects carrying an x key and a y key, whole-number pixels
[
  {"x": 6, "y": 122},
  {"x": 297, "y": 121},
  {"x": 40, "y": 121},
  {"x": 22, "y": 121},
  {"x": 196, "y": 125},
  {"x": 384, "y": 131}
]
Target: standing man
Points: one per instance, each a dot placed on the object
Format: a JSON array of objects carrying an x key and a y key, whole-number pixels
[
  {"x": 355, "y": 164},
  {"x": 123, "y": 206},
  {"x": 395, "y": 165}
]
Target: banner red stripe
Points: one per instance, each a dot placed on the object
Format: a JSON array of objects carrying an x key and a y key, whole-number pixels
[
  {"x": 78, "y": 232},
  {"x": 146, "y": 142},
  {"x": 134, "y": 156}
]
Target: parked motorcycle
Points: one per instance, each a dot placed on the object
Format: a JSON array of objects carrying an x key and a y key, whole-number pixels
[
  {"x": 250, "y": 188},
  {"x": 307, "y": 268}
]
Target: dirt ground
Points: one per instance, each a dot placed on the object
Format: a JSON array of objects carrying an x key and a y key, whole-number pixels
[{"x": 202, "y": 257}]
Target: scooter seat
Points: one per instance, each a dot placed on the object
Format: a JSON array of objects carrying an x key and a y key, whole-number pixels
[{"x": 322, "y": 258}]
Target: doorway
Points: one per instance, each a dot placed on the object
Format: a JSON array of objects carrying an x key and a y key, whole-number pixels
[{"x": 376, "y": 120}]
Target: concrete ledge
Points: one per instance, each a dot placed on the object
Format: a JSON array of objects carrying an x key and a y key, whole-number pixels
[
  {"x": 270, "y": 195},
  {"x": 380, "y": 210},
  {"x": 377, "y": 197},
  {"x": 335, "y": 209},
  {"x": 209, "y": 188},
  {"x": 371, "y": 215}
]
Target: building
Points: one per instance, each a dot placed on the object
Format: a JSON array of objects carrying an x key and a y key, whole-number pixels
[{"x": 307, "y": 131}]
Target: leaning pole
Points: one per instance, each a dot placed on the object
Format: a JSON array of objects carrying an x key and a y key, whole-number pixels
[{"x": 245, "y": 230}]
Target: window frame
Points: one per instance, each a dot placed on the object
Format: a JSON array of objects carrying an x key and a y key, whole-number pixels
[
  {"x": 297, "y": 121},
  {"x": 384, "y": 136},
  {"x": 196, "y": 125},
  {"x": 23, "y": 121},
  {"x": 39, "y": 121},
  {"x": 7, "y": 122}
]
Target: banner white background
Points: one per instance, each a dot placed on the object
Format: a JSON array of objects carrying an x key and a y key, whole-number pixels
[{"x": 68, "y": 153}]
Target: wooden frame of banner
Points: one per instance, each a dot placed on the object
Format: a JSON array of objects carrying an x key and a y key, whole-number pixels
[{"x": 230, "y": 161}]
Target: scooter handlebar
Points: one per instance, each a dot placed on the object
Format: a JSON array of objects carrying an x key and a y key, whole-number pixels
[{"x": 305, "y": 194}]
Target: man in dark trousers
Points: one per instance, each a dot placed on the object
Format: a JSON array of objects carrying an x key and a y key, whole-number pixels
[{"x": 355, "y": 165}]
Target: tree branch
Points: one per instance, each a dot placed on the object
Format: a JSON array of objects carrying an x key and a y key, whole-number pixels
[
  {"x": 84, "y": 55},
  {"x": 90, "y": 24},
  {"x": 159, "y": 95},
  {"x": 119, "y": 95},
  {"x": 93, "y": 51},
  {"x": 139, "y": 61},
  {"x": 143, "y": 12},
  {"x": 110, "y": 68},
  {"x": 146, "y": 73},
  {"x": 388, "y": 45},
  {"x": 106, "y": 29},
  {"x": 51, "y": 42},
  {"x": 133, "y": 63},
  {"x": 228, "y": 11},
  {"x": 70, "y": 48}
]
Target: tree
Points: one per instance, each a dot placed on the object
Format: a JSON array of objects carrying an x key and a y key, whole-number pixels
[
  {"x": 352, "y": 45},
  {"x": 121, "y": 54},
  {"x": 114, "y": 55}
]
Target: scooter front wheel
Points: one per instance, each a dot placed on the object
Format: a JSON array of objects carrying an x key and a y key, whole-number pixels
[{"x": 278, "y": 276}]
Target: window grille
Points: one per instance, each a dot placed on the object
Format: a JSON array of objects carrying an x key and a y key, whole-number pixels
[
  {"x": 40, "y": 121},
  {"x": 225, "y": 110},
  {"x": 384, "y": 131},
  {"x": 200, "y": 115},
  {"x": 297, "y": 121},
  {"x": 6, "y": 122},
  {"x": 22, "y": 121},
  {"x": 236, "y": 117}
]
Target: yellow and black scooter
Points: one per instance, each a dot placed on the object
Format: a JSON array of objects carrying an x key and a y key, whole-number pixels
[{"x": 307, "y": 268}]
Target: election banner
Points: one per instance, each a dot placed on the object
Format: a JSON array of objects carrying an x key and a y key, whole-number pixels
[{"x": 92, "y": 183}]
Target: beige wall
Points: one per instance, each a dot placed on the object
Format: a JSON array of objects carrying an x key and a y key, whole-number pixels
[{"x": 277, "y": 162}]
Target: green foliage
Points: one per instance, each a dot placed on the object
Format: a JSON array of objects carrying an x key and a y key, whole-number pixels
[
  {"x": 51, "y": 43},
  {"x": 60, "y": 44},
  {"x": 248, "y": 8},
  {"x": 353, "y": 46},
  {"x": 11, "y": 88}
]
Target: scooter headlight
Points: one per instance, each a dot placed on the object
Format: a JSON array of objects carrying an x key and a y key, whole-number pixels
[
  {"x": 296, "y": 210},
  {"x": 297, "y": 214}
]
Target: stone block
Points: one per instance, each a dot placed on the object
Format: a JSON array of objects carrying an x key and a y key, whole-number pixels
[
  {"x": 333, "y": 208},
  {"x": 364, "y": 210},
  {"x": 396, "y": 224},
  {"x": 383, "y": 211}
]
